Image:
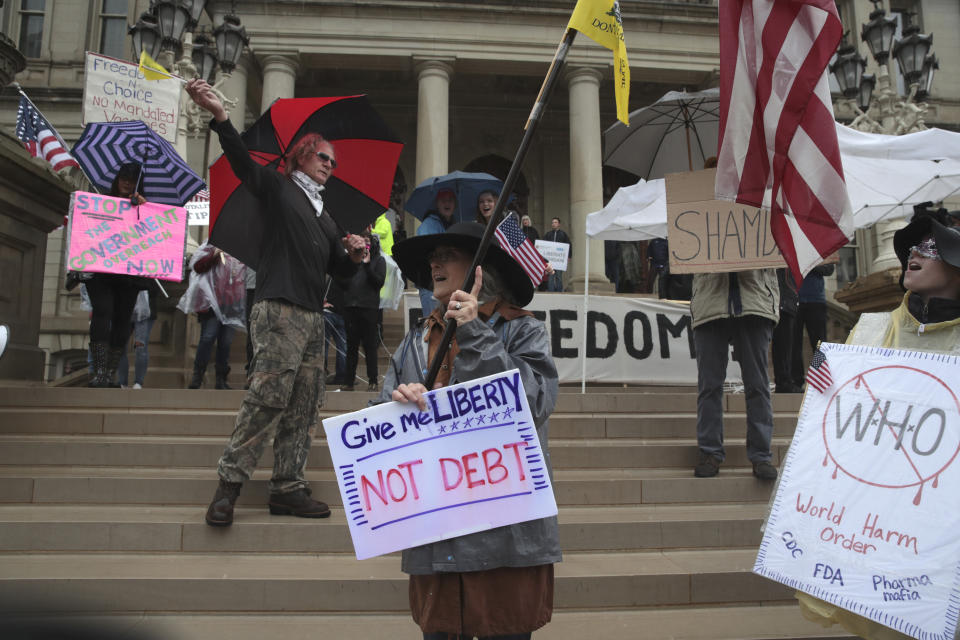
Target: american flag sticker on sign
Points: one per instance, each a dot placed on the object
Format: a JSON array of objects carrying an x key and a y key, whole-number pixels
[{"x": 818, "y": 376}]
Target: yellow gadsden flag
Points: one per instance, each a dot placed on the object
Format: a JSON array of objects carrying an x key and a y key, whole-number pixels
[
  {"x": 600, "y": 20},
  {"x": 151, "y": 69}
]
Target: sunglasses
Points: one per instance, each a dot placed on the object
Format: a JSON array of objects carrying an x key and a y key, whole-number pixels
[
  {"x": 326, "y": 158},
  {"x": 926, "y": 249}
]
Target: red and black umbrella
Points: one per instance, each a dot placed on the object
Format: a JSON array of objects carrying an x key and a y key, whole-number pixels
[{"x": 356, "y": 193}]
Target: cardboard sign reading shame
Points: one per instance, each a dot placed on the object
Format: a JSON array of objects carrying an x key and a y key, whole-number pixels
[
  {"x": 110, "y": 235},
  {"x": 708, "y": 235},
  {"x": 471, "y": 462},
  {"x": 865, "y": 515}
]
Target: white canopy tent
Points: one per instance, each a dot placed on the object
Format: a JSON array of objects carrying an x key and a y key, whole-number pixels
[{"x": 885, "y": 176}]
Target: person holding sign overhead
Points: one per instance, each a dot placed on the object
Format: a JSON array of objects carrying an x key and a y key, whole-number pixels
[{"x": 496, "y": 583}]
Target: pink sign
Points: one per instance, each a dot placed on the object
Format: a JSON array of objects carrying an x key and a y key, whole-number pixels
[{"x": 110, "y": 235}]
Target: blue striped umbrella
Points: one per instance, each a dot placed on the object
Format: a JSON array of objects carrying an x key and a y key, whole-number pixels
[{"x": 105, "y": 146}]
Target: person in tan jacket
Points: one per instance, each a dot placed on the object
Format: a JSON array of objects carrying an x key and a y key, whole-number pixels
[{"x": 741, "y": 308}]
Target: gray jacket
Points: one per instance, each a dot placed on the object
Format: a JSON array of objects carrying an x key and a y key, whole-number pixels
[{"x": 487, "y": 348}]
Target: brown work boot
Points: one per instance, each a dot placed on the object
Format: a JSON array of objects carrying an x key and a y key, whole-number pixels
[
  {"x": 220, "y": 511},
  {"x": 297, "y": 503}
]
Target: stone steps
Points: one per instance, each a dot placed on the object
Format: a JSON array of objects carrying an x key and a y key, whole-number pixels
[
  {"x": 198, "y": 451},
  {"x": 131, "y": 528},
  {"x": 195, "y": 485},
  {"x": 328, "y": 583},
  {"x": 220, "y": 422},
  {"x": 767, "y": 622},
  {"x": 102, "y": 495}
]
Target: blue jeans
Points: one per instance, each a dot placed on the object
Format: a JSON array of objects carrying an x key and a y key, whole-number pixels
[
  {"x": 141, "y": 341},
  {"x": 555, "y": 282},
  {"x": 336, "y": 333},
  {"x": 211, "y": 329}
]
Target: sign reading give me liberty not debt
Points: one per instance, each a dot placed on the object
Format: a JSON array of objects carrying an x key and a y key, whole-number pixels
[
  {"x": 111, "y": 235},
  {"x": 866, "y": 514},
  {"x": 471, "y": 462}
]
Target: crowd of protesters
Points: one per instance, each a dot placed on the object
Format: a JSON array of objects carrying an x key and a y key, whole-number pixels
[{"x": 317, "y": 287}]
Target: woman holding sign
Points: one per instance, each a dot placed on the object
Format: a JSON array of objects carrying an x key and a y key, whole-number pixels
[
  {"x": 113, "y": 296},
  {"x": 928, "y": 319},
  {"x": 496, "y": 583}
]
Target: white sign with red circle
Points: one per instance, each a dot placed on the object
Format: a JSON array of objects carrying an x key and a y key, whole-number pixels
[{"x": 866, "y": 514}]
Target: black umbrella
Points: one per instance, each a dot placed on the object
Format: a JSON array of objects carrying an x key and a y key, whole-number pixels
[{"x": 356, "y": 193}]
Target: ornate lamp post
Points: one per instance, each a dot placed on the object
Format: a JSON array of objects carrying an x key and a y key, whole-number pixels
[
  {"x": 204, "y": 55},
  {"x": 880, "y": 109},
  {"x": 166, "y": 32}
]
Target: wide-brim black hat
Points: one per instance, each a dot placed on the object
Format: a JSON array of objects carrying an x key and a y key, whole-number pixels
[
  {"x": 411, "y": 255},
  {"x": 947, "y": 239}
]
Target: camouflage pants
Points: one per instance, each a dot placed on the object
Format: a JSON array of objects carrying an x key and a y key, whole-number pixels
[{"x": 286, "y": 391}]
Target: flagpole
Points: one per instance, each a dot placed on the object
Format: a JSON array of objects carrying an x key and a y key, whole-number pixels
[
  {"x": 546, "y": 90},
  {"x": 16, "y": 85}
]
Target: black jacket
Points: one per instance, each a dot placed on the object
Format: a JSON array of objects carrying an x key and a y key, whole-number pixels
[{"x": 363, "y": 288}]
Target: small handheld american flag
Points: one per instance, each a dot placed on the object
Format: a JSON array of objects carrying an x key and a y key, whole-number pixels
[
  {"x": 514, "y": 241},
  {"x": 819, "y": 376},
  {"x": 40, "y": 138}
]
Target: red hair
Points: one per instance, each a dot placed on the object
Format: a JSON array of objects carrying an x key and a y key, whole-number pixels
[{"x": 303, "y": 149}]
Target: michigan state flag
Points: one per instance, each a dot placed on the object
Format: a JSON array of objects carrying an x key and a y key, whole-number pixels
[{"x": 600, "y": 20}]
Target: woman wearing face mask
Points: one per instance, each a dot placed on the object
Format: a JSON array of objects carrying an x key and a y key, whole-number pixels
[
  {"x": 496, "y": 583},
  {"x": 928, "y": 319}
]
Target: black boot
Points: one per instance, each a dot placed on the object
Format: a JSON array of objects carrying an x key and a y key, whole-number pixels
[
  {"x": 98, "y": 354},
  {"x": 220, "y": 511},
  {"x": 197, "y": 380},
  {"x": 221, "y": 382},
  {"x": 297, "y": 503},
  {"x": 113, "y": 360}
]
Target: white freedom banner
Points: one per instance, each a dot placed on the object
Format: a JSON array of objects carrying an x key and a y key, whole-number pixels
[
  {"x": 632, "y": 340},
  {"x": 116, "y": 91},
  {"x": 470, "y": 463},
  {"x": 865, "y": 516}
]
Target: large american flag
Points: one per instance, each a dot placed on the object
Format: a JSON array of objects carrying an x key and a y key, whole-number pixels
[
  {"x": 778, "y": 145},
  {"x": 40, "y": 138},
  {"x": 514, "y": 241}
]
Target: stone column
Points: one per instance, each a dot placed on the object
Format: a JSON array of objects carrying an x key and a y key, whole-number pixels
[
  {"x": 886, "y": 258},
  {"x": 433, "y": 117},
  {"x": 586, "y": 176},
  {"x": 279, "y": 77},
  {"x": 32, "y": 203}
]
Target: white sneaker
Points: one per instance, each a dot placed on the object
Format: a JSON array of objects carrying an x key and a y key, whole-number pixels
[{"x": 136, "y": 385}]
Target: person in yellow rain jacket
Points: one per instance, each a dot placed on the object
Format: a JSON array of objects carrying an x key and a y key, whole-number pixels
[{"x": 928, "y": 319}]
